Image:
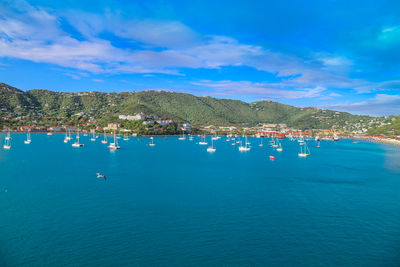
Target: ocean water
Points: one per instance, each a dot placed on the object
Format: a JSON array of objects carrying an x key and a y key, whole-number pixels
[{"x": 175, "y": 204}]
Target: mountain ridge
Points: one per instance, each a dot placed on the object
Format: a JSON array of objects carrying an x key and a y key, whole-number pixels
[{"x": 181, "y": 107}]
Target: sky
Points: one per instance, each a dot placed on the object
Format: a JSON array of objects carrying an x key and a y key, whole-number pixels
[{"x": 335, "y": 54}]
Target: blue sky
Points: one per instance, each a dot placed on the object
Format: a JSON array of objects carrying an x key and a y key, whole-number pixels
[{"x": 337, "y": 54}]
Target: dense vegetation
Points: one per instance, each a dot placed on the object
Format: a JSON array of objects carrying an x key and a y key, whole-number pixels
[
  {"x": 391, "y": 127},
  {"x": 105, "y": 107}
]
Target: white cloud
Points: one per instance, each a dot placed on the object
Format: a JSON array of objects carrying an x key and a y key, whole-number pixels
[
  {"x": 264, "y": 90},
  {"x": 379, "y": 86},
  {"x": 33, "y": 33},
  {"x": 390, "y": 35},
  {"x": 380, "y": 105},
  {"x": 335, "y": 95},
  {"x": 37, "y": 34},
  {"x": 171, "y": 34},
  {"x": 150, "y": 33},
  {"x": 332, "y": 60}
]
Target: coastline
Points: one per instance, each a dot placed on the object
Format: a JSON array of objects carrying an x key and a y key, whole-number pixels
[
  {"x": 373, "y": 139},
  {"x": 100, "y": 133},
  {"x": 379, "y": 140}
]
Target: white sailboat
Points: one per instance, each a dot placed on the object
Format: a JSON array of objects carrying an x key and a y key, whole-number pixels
[
  {"x": 7, "y": 143},
  {"x": 190, "y": 138},
  {"x": 77, "y": 144},
  {"x": 66, "y": 139},
  {"x": 152, "y": 141},
  {"x": 279, "y": 148},
  {"x": 114, "y": 145},
  {"x": 8, "y": 137},
  {"x": 216, "y": 137},
  {"x": 104, "y": 141},
  {"x": 275, "y": 142},
  {"x": 211, "y": 149},
  {"x": 245, "y": 147},
  {"x": 261, "y": 141},
  {"x": 203, "y": 141},
  {"x": 126, "y": 138},
  {"x": 69, "y": 135},
  {"x": 304, "y": 151},
  {"x": 93, "y": 136},
  {"x": 28, "y": 138},
  {"x": 183, "y": 136},
  {"x": 318, "y": 144},
  {"x": 335, "y": 137}
]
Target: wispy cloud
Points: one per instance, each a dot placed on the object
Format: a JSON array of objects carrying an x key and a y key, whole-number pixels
[
  {"x": 380, "y": 105},
  {"x": 263, "y": 90},
  {"x": 379, "y": 86},
  {"x": 390, "y": 35},
  {"x": 35, "y": 34}
]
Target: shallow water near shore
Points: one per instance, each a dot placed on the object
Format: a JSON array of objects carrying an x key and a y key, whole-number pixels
[{"x": 175, "y": 204}]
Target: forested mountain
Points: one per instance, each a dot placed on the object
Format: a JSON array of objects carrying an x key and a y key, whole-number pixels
[{"x": 180, "y": 107}]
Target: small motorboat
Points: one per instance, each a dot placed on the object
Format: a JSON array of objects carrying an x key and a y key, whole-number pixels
[
  {"x": 211, "y": 149},
  {"x": 77, "y": 144},
  {"x": 99, "y": 175}
]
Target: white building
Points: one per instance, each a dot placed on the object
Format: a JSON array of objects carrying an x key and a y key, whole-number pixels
[
  {"x": 148, "y": 122},
  {"x": 165, "y": 122},
  {"x": 187, "y": 127},
  {"x": 136, "y": 117},
  {"x": 112, "y": 126},
  {"x": 56, "y": 129}
]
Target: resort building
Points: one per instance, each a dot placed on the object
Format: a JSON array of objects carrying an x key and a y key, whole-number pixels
[
  {"x": 136, "y": 117},
  {"x": 112, "y": 126},
  {"x": 187, "y": 127},
  {"x": 32, "y": 129},
  {"x": 70, "y": 128},
  {"x": 165, "y": 122},
  {"x": 55, "y": 129}
]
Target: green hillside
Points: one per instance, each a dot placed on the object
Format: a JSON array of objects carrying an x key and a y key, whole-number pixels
[
  {"x": 390, "y": 128},
  {"x": 180, "y": 107}
]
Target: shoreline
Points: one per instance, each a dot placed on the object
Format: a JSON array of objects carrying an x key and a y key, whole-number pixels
[
  {"x": 88, "y": 133},
  {"x": 372, "y": 139}
]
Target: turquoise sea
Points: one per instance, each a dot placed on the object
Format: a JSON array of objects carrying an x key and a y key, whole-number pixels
[{"x": 174, "y": 204}]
